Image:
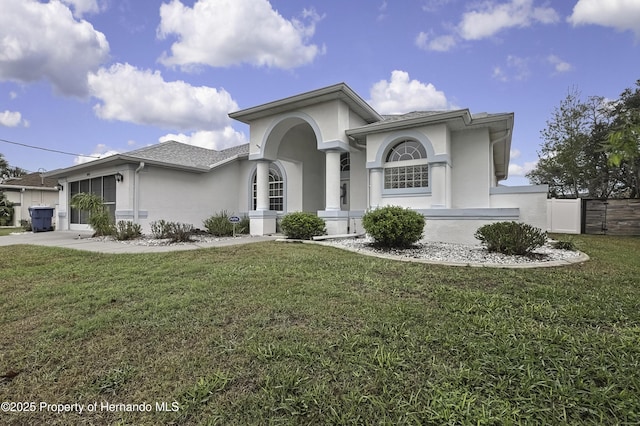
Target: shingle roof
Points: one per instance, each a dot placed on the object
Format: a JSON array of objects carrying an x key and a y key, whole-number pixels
[
  {"x": 31, "y": 180},
  {"x": 409, "y": 115},
  {"x": 181, "y": 154}
]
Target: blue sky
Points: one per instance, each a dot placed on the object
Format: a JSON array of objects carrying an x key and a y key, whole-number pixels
[{"x": 96, "y": 77}]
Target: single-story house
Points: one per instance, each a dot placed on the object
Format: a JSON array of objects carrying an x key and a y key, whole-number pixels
[
  {"x": 328, "y": 152},
  {"x": 30, "y": 190}
]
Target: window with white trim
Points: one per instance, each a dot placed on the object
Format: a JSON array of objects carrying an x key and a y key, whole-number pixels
[
  {"x": 276, "y": 189},
  {"x": 406, "y": 166}
]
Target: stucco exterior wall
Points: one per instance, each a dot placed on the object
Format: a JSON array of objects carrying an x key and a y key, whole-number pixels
[
  {"x": 188, "y": 197},
  {"x": 470, "y": 171},
  {"x": 531, "y": 200},
  {"x": 28, "y": 198}
]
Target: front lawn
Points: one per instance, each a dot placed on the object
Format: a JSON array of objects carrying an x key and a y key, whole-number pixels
[
  {"x": 7, "y": 230},
  {"x": 272, "y": 333}
]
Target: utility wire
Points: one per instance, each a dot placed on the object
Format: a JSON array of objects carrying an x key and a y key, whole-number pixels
[{"x": 48, "y": 149}]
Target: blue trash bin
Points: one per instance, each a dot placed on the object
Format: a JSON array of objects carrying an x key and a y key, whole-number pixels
[{"x": 41, "y": 218}]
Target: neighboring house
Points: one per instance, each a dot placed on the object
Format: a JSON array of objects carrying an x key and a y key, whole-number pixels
[
  {"x": 326, "y": 152},
  {"x": 30, "y": 190}
]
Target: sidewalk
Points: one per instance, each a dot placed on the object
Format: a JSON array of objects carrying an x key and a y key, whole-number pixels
[{"x": 82, "y": 241}]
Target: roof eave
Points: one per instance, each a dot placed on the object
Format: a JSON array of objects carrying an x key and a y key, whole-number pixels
[
  {"x": 411, "y": 122},
  {"x": 337, "y": 91},
  {"x": 122, "y": 159}
]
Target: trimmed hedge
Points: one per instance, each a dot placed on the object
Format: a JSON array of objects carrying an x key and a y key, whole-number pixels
[
  {"x": 511, "y": 237},
  {"x": 394, "y": 226},
  {"x": 302, "y": 225}
]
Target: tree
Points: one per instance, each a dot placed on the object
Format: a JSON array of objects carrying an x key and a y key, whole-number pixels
[
  {"x": 623, "y": 142},
  {"x": 572, "y": 161},
  {"x": 6, "y": 171}
]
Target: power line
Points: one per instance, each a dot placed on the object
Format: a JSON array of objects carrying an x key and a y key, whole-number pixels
[{"x": 48, "y": 149}]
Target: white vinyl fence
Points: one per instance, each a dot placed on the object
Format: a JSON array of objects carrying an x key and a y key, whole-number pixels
[{"x": 564, "y": 216}]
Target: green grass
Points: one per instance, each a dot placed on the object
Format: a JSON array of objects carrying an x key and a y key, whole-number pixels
[
  {"x": 273, "y": 333},
  {"x": 6, "y": 231}
]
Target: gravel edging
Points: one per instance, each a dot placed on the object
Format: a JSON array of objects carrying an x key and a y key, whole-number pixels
[{"x": 458, "y": 254}]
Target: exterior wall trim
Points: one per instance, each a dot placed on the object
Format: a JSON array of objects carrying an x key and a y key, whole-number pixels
[
  {"x": 471, "y": 214},
  {"x": 524, "y": 189}
]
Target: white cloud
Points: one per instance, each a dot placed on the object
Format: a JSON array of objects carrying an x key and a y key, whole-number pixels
[
  {"x": 44, "y": 41},
  {"x": 521, "y": 169},
  {"x": 493, "y": 17},
  {"x": 81, "y": 7},
  {"x": 485, "y": 20},
  {"x": 217, "y": 139},
  {"x": 100, "y": 151},
  {"x": 12, "y": 119},
  {"x": 221, "y": 33},
  {"x": 516, "y": 169},
  {"x": 619, "y": 14},
  {"x": 401, "y": 94},
  {"x": 559, "y": 65},
  {"x": 144, "y": 97},
  {"x": 515, "y": 69},
  {"x": 442, "y": 43}
]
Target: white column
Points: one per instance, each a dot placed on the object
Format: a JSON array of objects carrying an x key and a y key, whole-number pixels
[
  {"x": 332, "y": 180},
  {"x": 262, "y": 185},
  {"x": 375, "y": 187},
  {"x": 438, "y": 185}
]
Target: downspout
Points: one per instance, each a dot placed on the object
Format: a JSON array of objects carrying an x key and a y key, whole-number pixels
[
  {"x": 136, "y": 192},
  {"x": 492, "y": 145}
]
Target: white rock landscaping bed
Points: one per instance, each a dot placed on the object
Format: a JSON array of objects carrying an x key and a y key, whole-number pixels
[{"x": 461, "y": 254}]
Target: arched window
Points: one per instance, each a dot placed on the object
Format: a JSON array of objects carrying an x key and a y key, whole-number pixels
[
  {"x": 345, "y": 162},
  {"x": 406, "y": 166},
  {"x": 276, "y": 189}
]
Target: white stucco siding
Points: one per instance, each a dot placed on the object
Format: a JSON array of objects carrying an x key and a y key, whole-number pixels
[
  {"x": 28, "y": 198},
  {"x": 305, "y": 179},
  {"x": 358, "y": 181},
  {"x": 470, "y": 173},
  {"x": 531, "y": 200},
  {"x": 188, "y": 198}
]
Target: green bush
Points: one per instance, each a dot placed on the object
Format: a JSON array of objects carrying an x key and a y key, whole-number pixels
[
  {"x": 160, "y": 229},
  {"x": 565, "y": 245},
  {"x": 180, "y": 232},
  {"x": 511, "y": 237},
  {"x": 302, "y": 225},
  {"x": 176, "y": 231},
  {"x": 393, "y": 226},
  {"x": 99, "y": 218},
  {"x": 127, "y": 230},
  {"x": 219, "y": 225},
  {"x": 6, "y": 211}
]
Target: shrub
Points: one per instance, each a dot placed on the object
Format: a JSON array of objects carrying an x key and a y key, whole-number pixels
[
  {"x": 219, "y": 225},
  {"x": 302, "y": 225},
  {"x": 565, "y": 245},
  {"x": 160, "y": 229},
  {"x": 176, "y": 231},
  {"x": 99, "y": 218},
  {"x": 127, "y": 230},
  {"x": 511, "y": 237},
  {"x": 6, "y": 211},
  {"x": 180, "y": 232},
  {"x": 26, "y": 225},
  {"x": 394, "y": 226}
]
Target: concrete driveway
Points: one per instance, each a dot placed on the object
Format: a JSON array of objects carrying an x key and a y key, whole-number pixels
[{"x": 83, "y": 241}]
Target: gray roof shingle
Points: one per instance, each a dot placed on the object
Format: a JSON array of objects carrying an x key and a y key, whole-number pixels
[{"x": 182, "y": 154}]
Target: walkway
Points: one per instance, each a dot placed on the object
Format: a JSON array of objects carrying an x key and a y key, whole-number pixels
[{"x": 83, "y": 241}]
